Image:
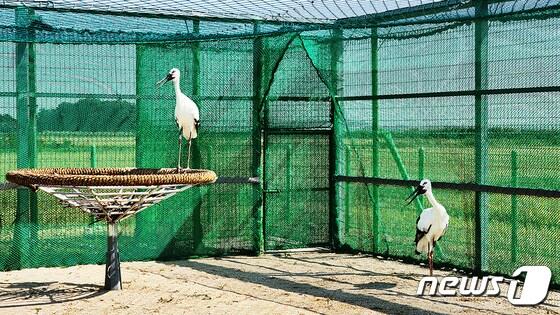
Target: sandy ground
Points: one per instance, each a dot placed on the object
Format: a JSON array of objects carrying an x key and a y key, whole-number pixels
[{"x": 285, "y": 283}]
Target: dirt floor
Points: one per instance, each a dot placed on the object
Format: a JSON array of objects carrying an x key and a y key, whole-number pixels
[{"x": 284, "y": 283}]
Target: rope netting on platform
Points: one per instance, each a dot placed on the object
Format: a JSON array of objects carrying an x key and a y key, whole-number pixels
[{"x": 317, "y": 116}]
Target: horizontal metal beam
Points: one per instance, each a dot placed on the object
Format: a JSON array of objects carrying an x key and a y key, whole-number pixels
[
  {"x": 537, "y": 192},
  {"x": 546, "y": 89},
  {"x": 8, "y": 186},
  {"x": 282, "y": 131},
  {"x": 237, "y": 180},
  {"x": 172, "y": 97},
  {"x": 299, "y": 98}
]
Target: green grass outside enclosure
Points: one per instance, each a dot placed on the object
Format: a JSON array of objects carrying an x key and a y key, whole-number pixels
[{"x": 74, "y": 150}]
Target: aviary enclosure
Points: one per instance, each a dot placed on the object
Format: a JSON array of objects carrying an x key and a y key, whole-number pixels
[{"x": 317, "y": 116}]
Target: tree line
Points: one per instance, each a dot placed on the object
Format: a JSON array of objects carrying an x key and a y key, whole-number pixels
[{"x": 88, "y": 115}]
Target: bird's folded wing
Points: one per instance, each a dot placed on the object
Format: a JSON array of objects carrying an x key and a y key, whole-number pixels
[{"x": 425, "y": 220}]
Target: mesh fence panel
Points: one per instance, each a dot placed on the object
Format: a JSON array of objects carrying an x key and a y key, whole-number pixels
[
  {"x": 8, "y": 147},
  {"x": 426, "y": 115},
  {"x": 419, "y": 96}
]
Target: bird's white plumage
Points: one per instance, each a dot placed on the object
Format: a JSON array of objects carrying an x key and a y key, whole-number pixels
[
  {"x": 434, "y": 222},
  {"x": 186, "y": 111},
  {"x": 431, "y": 224},
  {"x": 187, "y": 116}
]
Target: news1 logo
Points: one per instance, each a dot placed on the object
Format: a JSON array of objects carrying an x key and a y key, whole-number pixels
[{"x": 533, "y": 291}]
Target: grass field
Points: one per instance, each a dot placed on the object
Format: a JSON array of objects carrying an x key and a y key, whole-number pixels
[{"x": 445, "y": 159}]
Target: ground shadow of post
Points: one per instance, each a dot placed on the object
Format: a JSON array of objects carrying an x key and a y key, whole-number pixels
[
  {"x": 21, "y": 294},
  {"x": 366, "y": 301}
]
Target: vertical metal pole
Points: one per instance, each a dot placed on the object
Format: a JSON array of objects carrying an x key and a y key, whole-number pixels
[
  {"x": 376, "y": 227},
  {"x": 142, "y": 219},
  {"x": 197, "y": 223},
  {"x": 92, "y": 164},
  {"x": 196, "y": 62},
  {"x": 335, "y": 155},
  {"x": 33, "y": 205},
  {"x": 289, "y": 173},
  {"x": 513, "y": 222},
  {"x": 25, "y": 231},
  {"x": 347, "y": 202},
  {"x": 93, "y": 156},
  {"x": 112, "y": 259},
  {"x": 257, "y": 141},
  {"x": 209, "y": 165},
  {"x": 481, "y": 135}
]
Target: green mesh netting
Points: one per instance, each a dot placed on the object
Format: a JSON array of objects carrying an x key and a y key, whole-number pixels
[{"x": 313, "y": 126}]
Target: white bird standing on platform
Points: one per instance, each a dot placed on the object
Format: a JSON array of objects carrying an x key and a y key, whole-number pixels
[
  {"x": 186, "y": 114},
  {"x": 431, "y": 224}
]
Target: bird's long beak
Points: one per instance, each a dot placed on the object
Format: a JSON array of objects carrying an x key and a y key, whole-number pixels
[
  {"x": 414, "y": 194},
  {"x": 161, "y": 82}
]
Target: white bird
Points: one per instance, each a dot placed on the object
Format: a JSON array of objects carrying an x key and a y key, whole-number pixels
[
  {"x": 186, "y": 114},
  {"x": 432, "y": 223}
]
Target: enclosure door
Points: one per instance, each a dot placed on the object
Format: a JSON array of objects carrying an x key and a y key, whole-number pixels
[{"x": 296, "y": 200}]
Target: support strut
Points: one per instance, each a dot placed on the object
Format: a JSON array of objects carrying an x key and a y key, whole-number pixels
[{"x": 113, "y": 263}]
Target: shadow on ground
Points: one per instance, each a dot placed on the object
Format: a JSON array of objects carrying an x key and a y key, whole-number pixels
[
  {"x": 352, "y": 294},
  {"x": 42, "y": 293},
  {"x": 266, "y": 279}
]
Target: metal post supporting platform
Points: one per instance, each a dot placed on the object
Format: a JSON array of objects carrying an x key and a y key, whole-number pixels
[{"x": 113, "y": 263}]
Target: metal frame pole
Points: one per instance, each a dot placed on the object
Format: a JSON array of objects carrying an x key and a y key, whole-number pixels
[
  {"x": 25, "y": 232},
  {"x": 257, "y": 164},
  {"x": 113, "y": 263},
  {"x": 481, "y": 135},
  {"x": 196, "y": 216},
  {"x": 93, "y": 156},
  {"x": 335, "y": 155},
  {"x": 347, "y": 203},
  {"x": 513, "y": 218},
  {"x": 376, "y": 227},
  {"x": 196, "y": 62}
]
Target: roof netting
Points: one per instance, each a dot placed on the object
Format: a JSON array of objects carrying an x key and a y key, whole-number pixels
[
  {"x": 104, "y": 21},
  {"x": 305, "y": 11}
]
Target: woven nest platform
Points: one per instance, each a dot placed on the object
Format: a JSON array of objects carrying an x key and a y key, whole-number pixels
[
  {"x": 111, "y": 194},
  {"x": 109, "y": 177}
]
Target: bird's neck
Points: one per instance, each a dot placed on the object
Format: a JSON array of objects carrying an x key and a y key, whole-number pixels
[
  {"x": 432, "y": 200},
  {"x": 176, "y": 87}
]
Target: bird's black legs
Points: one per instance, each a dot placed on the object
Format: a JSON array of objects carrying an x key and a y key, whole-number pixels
[
  {"x": 189, "y": 153},
  {"x": 180, "y": 145}
]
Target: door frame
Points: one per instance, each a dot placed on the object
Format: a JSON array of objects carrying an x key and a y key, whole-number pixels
[{"x": 266, "y": 133}]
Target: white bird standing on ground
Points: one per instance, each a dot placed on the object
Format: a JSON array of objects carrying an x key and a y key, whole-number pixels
[
  {"x": 431, "y": 224},
  {"x": 186, "y": 114}
]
